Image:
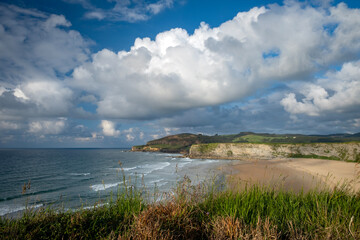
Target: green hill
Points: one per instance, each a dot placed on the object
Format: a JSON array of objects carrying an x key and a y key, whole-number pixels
[{"x": 181, "y": 143}]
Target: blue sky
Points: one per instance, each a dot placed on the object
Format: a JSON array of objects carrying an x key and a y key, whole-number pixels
[{"x": 116, "y": 73}]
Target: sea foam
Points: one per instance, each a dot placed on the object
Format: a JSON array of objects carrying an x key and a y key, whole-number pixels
[
  {"x": 102, "y": 187},
  {"x": 12, "y": 209},
  {"x": 149, "y": 168},
  {"x": 79, "y": 174}
]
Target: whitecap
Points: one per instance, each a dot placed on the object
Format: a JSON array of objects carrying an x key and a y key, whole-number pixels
[
  {"x": 154, "y": 167},
  {"x": 157, "y": 180},
  {"x": 79, "y": 174},
  {"x": 188, "y": 159},
  {"x": 12, "y": 209},
  {"x": 201, "y": 161},
  {"x": 128, "y": 169},
  {"x": 97, "y": 205},
  {"x": 181, "y": 165},
  {"x": 102, "y": 187},
  {"x": 211, "y": 161}
]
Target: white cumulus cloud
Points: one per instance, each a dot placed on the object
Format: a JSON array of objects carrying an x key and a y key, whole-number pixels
[
  {"x": 178, "y": 71},
  {"x": 37, "y": 51},
  {"x": 336, "y": 93},
  {"x": 47, "y": 126},
  {"x": 108, "y": 128},
  {"x": 290, "y": 67}
]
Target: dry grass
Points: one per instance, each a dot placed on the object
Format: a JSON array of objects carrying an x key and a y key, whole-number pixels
[
  {"x": 232, "y": 228},
  {"x": 170, "y": 220}
]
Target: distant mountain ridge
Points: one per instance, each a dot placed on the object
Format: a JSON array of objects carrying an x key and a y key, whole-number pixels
[{"x": 181, "y": 143}]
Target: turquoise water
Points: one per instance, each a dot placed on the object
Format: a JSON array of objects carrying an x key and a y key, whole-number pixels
[{"x": 72, "y": 178}]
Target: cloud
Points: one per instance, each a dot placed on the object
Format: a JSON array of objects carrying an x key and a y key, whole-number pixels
[
  {"x": 20, "y": 94},
  {"x": 262, "y": 114},
  {"x": 159, "y": 6},
  {"x": 34, "y": 44},
  {"x": 129, "y": 134},
  {"x": 5, "y": 125},
  {"x": 338, "y": 92},
  {"x": 141, "y": 134},
  {"x": 120, "y": 10},
  {"x": 130, "y": 137},
  {"x": 47, "y": 126},
  {"x": 37, "y": 52},
  {"x": 288, "y": 68},
  {"x": 176, "y": 71},
  {"x": 108, "y": 128},
  {"x": 93, "y": 138}
]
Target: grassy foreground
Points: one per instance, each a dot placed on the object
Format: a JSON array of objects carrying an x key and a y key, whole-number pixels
[{"x": 201, "y": 212}]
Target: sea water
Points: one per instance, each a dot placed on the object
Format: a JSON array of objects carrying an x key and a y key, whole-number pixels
[{"x": 75, "y": 178}]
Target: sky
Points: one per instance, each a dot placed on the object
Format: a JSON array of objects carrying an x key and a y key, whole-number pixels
[{"x": 118, "y": 73}]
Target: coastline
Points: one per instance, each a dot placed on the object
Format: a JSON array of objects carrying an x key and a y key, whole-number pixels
[{"x": 292, "y": 174}]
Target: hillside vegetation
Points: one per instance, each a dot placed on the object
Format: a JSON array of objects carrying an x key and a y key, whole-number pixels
[{"x": 181, "y": 143}]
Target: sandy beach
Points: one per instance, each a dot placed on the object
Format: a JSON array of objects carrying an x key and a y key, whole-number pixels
[{"x": 294, "y": 174}]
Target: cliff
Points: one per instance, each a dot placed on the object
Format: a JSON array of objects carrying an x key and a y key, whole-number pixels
[
  {"x": 337, "y": 151},
  {"x": 181, "y": 143},
  {"x": 171, "y": 144}
]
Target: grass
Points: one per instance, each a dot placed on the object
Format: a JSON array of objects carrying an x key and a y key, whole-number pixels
[
  {"x": 207, "y": 148},
  {"x": 259, "y": 139},
  {"x": 201, "y": 212},
  {"x": 112, "y": 218},
  {"x": 167, "y": 146},
  {"x": 314, "y": 215}
]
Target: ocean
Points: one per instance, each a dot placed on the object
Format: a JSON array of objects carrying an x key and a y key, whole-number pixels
[{"x": 69, "y": 179}]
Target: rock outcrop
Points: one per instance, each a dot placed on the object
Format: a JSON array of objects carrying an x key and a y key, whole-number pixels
[
  {"x": 145, "y": 149},
  {"x": 179, "y": 143},
  {"x": 339, "y": 151}
]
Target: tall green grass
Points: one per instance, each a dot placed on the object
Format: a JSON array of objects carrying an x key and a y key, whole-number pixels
[
  {"x": 201, "y": 212},
  {"x": 315, "y": 214},
  {"x": 112, "y": 218}
]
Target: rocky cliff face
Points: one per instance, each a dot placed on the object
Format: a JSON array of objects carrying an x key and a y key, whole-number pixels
[
  {"x": 144, "y": 149},
  {"x": 339, "y": 151}
]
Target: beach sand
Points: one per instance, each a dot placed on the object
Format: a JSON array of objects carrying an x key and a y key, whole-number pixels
[{"x": 293, "y": 174}]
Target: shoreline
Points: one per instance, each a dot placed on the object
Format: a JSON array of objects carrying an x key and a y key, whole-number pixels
[{"x": 292, "y": 174}]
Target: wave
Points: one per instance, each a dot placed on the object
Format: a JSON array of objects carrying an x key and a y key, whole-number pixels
[
  {"x": 8, "y": 209},
  {"x": 182, "y": 164},
  {"x": 188, "y": 159},
  {"x": 102, "y": 187},
  {"x": 159, "y": 182},
  {"x": 79, "y": 174},
  {"x": 156, "y": 181},
  {"x": 96, "y": 206},
  {"x": 211, "y": 161},
  {"x": 26, "y": 179},
  {"x": 125, "y": 169},
  {"x": 33, "y": 193},
  {"x": 128, "y": 169},
  {"x": 149, "y": 168}
]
